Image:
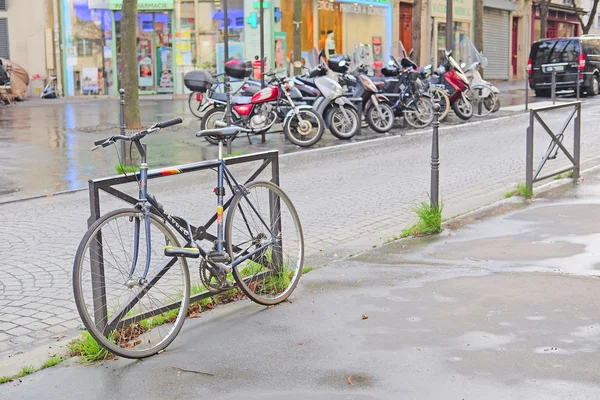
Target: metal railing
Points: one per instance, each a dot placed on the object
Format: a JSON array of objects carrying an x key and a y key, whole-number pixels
[
  {"x": 532, "y": 176},
  {"x": 107, "y": 185},
  {"x": 553, "y": 85}
]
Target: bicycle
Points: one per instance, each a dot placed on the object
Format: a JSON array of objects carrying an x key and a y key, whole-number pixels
[{"x": 151, "y": 283}]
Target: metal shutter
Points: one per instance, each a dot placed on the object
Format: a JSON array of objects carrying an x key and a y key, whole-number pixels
[
  {"x": 4, "y": 48},
  {"x": 496, "y": 43},
  {"x": 3, "y": 5}
]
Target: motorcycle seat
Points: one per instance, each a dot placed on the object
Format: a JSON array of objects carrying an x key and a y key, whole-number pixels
[
  {"x": 307, "y": 81},
  {"x": 234, "y": 99}
]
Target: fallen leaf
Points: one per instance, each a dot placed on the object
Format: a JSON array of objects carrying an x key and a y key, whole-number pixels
[
  {"x": 300, "y": 343},
  {"x": 60, "y": 336},
  {"x": 194, "y": 315},
  {"x": 335, "y": 254},
  {"x": 350, "y": 378},
  {"x": 209, "y": 306},
  {"x": 178, "y": 373},
  {"x": 364, "y": 316}
]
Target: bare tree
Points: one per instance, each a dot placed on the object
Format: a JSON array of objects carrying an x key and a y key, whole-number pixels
[
  {"x": 297, "y": 32},
  {"x": 129, "y": 61},
  {"x": 586, "y": 27},
  {"x": 478, "y": 22},
  {"x": 416, "y": 41},
  {"x": 544, "y": 4}
]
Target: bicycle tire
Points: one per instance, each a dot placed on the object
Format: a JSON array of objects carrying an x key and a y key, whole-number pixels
[
  {"x": 439, "y": 95},
  {"x": 192, "y": 102},
  {"x": 248, "y": 269},
  {"x": 82, "y": 307}
]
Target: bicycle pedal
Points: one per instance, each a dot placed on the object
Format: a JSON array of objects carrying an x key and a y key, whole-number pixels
[
  {"x": 188, "y": 252},
  {"x": 217, "y": 257}
]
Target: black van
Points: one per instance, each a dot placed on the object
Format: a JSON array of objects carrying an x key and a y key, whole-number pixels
[{"x": 579, "y": 54}]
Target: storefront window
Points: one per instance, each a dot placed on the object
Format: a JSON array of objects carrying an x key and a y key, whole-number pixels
[
  {"x": 461, "y": 30},
  {"x": 89, "y": 58}
]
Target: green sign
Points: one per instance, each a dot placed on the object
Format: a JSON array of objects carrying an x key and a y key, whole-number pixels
[
  {"x": 144, "y": 4},
  {"x": 462, "y": 9}
]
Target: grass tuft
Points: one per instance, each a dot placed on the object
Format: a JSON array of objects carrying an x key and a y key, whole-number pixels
[
  {"x": 129, "y": 169},
  {"x": 522, "y": 190},
  {"x": 51, "y": 362},
  {"x": 88, "y": 349},
  {"x": 234, "y": 154},
  {"x": 429, "y": 220},
  {"x": 306, "y": 270},
  {"x": 508, "y": 195},
  {"x": 569, "y": 174},
  {"x": 27, "y": 370},
  {"x": 4, "y": 379}
]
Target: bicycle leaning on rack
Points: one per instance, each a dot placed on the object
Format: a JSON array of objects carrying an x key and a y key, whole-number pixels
[{"x": 131, "y": 279}]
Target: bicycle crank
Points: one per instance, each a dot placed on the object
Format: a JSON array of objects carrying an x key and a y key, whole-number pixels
[{"x": 213, "y": 282}]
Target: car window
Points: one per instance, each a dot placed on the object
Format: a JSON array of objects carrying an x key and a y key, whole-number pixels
[
  {"x": 540, "y": 52},
  {"x": 591, "y": 46},
  {"x": 570, "y": 53}
]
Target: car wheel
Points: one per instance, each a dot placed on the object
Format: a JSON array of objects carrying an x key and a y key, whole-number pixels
[{"x": 594, "y": 89}]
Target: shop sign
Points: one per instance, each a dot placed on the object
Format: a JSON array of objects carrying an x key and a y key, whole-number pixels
[
  {"x": 462, "y": 9},
  {"x": 352, "y": 8},
  {"x": 144, "y": 4}
]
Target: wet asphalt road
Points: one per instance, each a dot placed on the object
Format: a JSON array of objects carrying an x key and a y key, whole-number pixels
[{"x": 45, "y": 144}]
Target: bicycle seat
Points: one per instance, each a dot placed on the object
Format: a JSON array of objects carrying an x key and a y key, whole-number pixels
[
  {"x": 224, "y": 133},
  {"x": 234, "y": 99}
]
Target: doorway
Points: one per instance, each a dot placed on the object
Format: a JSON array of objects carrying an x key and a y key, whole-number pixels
[
  {"x": 406, "y": 26},
  {"x": 154, "y": 51}
]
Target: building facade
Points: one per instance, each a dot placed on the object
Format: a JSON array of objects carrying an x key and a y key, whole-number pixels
[
  {"x": 562, "y": 19},
  {"x": 587, "y": 6},
  {"x": 25, "y": 43}
]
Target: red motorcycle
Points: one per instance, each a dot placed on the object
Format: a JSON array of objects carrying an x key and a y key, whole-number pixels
[
  {"x": 258, "y": 113},
  {"x": 453, "y": 80}
]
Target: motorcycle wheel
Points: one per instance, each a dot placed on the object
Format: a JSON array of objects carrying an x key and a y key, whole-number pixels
[
  {"x": 381, "y": 124},
  {"x": 422, "y": 116},
  {"x": 305, "y": 128},
  {"x": 439, "y": 96},
  {"x": 463, "y": 108},
  {"x": 497, "y": 107},
  {"x": 208, "y": 122},
  {"x": 341, "y": 127}
]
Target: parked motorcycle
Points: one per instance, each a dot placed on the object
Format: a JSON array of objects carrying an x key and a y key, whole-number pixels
[
  {"x": 275, "y": 103},
  {"x": 339, "y": 113},
  {"x": 455, "y": 83},
  {"x": 484, "y": 94},
  {"x": 377, "y": 108}
]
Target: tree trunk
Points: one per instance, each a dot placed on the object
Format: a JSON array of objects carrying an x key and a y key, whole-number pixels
[
  {"x": 544, "y": 18},
  {"x": 478, "y": 21},
  {"x": 297, "y": 30},
  {"x": 129, "y": 61},
  {"x": 416, "y": 41}
]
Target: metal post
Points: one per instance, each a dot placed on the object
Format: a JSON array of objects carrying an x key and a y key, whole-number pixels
[
  {"x": 449, "y": 27},
  {"x": 480, "y": 102},
  {"x": 225, "y": 77},
  {"x": 526, "y": 93},
  {"x": 578, "y": 87},
  {"x": 577, "y": 143},
  {"x": 97, "y": 262},
  {"x": 261, "y": 13},
  {"x": 275, "y": 214},
  {"x": 435, "y": 159},
  {"x": 529, "y": 155},
  {"x": 122, "y": 125},
  {"x": 553, "y": 86}
]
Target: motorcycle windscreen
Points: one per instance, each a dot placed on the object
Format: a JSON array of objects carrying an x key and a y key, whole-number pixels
[{"x": 470, "y": 55}]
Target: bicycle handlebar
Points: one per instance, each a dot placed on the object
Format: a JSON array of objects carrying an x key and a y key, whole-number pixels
[{"x": 112, "y": 139}]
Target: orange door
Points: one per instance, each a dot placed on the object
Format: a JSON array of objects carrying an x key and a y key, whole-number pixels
[{"x": 406, "y": 25}]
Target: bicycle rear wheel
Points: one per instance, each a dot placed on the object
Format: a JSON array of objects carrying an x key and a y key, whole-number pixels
[
  {"x": 195, "y": 103},
  {"x": 126, "y": 317},
  {"x": 270, "y": 275}
]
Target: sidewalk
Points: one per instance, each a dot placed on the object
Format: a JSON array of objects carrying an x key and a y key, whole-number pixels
[{"x": 498, "y": 306}]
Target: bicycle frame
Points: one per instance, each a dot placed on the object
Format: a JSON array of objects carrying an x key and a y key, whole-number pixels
[{"x": 148, "y": 204}]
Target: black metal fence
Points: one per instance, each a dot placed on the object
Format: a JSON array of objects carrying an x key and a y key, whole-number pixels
[
  {"x": 532, "y": 176},
  {"x": 107, "y": 185}
]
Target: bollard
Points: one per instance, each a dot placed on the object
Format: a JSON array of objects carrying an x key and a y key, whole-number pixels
[
  {"x": 578, "y": 87},
  {"x": 527, "y": 93},
  {"x": 435, "y": 159},
  {"x": 123, "y": 125},
  {"x": 553, "y": 86}
]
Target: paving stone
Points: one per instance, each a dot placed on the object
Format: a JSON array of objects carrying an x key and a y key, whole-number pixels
[
  {"x": 18, "y": 331},
  {"x": 6, "y": 326},
  {"x": 36, "y": 325}
]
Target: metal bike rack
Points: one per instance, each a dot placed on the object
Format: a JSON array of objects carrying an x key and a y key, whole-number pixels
[
  {"x": 532, "y": 176},
  {"x": 107, "y": 185}
]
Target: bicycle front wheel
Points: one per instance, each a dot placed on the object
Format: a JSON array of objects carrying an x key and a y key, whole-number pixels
[
  {"x": 195, "y": 103},
  {"x": 263, "y": 222},
  {"x": 129, "y": 315}
]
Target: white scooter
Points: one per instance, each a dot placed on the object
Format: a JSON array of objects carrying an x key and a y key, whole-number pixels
[{"x": 476, "y": 61}]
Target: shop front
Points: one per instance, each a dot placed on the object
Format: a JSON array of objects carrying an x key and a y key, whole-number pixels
[
  {"x": 173, "y": 37},
  {"x": 462, "y": 26},
  {"x": 562, "y": 22},
  {"x": 338, "y": 26}
]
